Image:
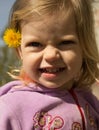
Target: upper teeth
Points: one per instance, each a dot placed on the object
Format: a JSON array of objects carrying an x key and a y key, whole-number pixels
[{"x": 52, "y": 70}]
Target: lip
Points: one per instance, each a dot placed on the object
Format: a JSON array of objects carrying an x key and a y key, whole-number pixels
[{"x": 51, "y": 73}]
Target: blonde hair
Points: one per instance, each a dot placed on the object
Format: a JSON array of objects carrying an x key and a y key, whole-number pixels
[{"x": 25, "y": 9}]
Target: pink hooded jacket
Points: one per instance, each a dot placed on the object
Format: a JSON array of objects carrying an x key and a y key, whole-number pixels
[{"x": 35, "y": 107}]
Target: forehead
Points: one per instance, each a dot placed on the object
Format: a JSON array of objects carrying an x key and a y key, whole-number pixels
[{"x": 61, "y": 21}]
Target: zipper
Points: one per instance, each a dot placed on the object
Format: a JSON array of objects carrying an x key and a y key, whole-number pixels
[{"x": 78, "y": 106}]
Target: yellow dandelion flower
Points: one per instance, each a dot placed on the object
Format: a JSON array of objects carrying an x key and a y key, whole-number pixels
[{"x": 12, "y": 38}]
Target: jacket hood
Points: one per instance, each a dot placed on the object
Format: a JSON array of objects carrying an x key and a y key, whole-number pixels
[{"x": 21, "y": 86}]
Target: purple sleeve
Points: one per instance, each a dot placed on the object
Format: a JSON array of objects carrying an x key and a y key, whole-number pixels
[{"x": 8, "y": 119}]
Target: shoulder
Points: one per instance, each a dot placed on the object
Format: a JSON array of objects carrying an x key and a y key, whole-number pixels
[
  {"x": 10, "y": 96},
  {"x": 17, "y": 95},
  {"x": 7, "y": 87},
  {"x": 90, "y": 98},
  {"x": 95, "y": 90}
]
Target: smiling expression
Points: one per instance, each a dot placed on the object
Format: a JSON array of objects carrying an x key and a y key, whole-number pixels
[{"x": 50, "y": 50}]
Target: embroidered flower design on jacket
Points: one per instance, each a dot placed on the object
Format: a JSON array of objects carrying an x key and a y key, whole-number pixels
[
  {"x": 89, "y": 116},
  {"x": 44, "y": 121},
  {"x": 76, "y": 126}
]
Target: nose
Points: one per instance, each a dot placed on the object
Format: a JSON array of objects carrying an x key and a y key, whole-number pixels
[{"x": 51, "y": 54}]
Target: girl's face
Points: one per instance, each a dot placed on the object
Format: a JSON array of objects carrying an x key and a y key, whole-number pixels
[{"x": 50, "y": 51}]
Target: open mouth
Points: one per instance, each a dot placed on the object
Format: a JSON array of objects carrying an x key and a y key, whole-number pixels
[{"x": 51, "y": 70}]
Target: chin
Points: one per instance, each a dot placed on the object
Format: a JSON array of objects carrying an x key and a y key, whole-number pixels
[{"x": 49, "y": 85}]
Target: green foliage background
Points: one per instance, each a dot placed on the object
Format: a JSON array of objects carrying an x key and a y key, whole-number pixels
[{"x": 8, "y": 61}]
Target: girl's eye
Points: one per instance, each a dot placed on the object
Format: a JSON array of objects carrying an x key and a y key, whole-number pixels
[
  {"x": 67, "y": 42},
  {"x": 35, "y": 44}
]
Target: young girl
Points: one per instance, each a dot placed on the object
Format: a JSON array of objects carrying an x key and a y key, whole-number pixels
[{"x": 56, "y": 43}]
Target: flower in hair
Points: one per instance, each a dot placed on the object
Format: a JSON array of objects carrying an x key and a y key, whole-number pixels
[{"x": 12, "y": 37}]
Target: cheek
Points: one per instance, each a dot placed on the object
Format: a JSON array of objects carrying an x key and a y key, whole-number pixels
[
  {"x": 73, "y": 59},
  {"x": 31, "y": 61},
  {"x": 27, "y": 64}
]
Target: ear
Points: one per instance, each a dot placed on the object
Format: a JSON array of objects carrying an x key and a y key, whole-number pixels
[{"x": 19, "y": 52}]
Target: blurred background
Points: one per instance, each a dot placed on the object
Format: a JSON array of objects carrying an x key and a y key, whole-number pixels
[{"x": 8, "y": 58}]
